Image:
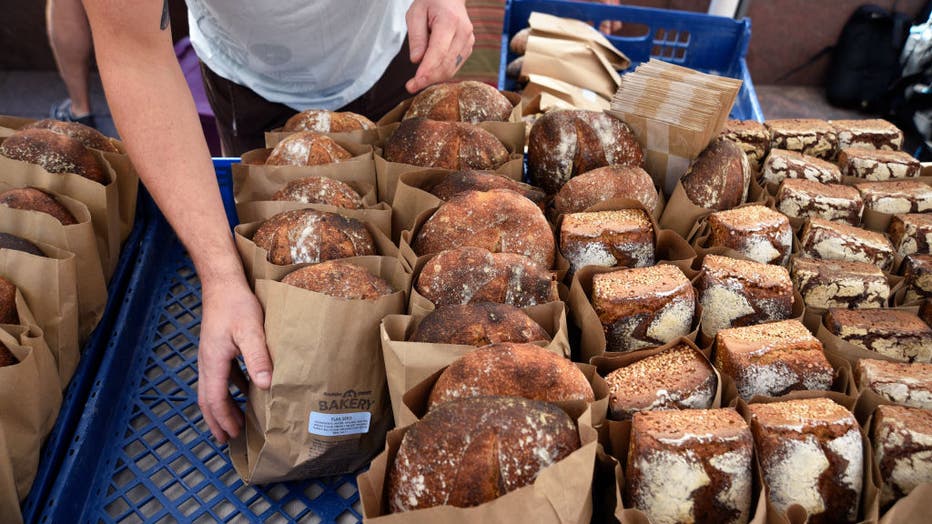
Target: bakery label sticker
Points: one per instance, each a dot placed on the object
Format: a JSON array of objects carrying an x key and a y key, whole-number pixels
[{"x": 338, "y": 424}]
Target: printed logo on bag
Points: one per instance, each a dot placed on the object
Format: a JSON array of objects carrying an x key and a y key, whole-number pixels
[{"x": 349, "y": 399}]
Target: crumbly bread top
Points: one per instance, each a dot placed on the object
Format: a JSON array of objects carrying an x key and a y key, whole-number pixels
[
  {"x": 749, "y": 218},
  {"x": 669, "y": 370},
  {"x": 681, "y": 426},
  {"x": 897, "y": 188},
  {"x": 801, "y": 413},
  {"x": 662, "y": 279},
  {"x": 816, "y": 189},
  {"x": 874, "y": 370},
  {"x": 793, "y": 126},
  {"x": 830, "y": 269},
  {"x": 842, "y": 229},
  {"x": 880, "y": 320},
  {"x": 764, "y": 275},
  {"x": 765, "y": 336},
  {"x": 880, "y": 155},
  {"x": 597, "y": 221},
  {"x": 867, "y": 125}
]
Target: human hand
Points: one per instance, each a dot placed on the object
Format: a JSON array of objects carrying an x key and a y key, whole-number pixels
[
  {"x": 440, "y": 37},
  {"x": 232, "y": 325}
]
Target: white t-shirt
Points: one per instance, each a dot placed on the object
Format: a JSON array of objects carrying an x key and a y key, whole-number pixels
[{"x": 306, "y": 54}]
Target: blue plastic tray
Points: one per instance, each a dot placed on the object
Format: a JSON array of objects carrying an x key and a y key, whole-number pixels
[
  {"x": 141, "y": 451},
  {"x": 711, "y": 44}
]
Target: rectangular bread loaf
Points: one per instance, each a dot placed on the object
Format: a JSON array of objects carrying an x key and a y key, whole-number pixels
[
  {"x": 809, "y": 136},
  {"x": 830, "y": 240},
  {"x": 782, "y": 164},
  {"x": 838, "y": 283},
  {"x": 874, "y": 133},
  {"x": 893, "y": 333},
  {"x": 876, "y": 164},
  {"x": 901, "y": 196},
  {"x": 902, "y": 439},
  {"x": 755, "y": 231},
  {"x": 907, "y": 384},
  {"x": 737, "y": 293},
  {"x": 806, "y": 199}
]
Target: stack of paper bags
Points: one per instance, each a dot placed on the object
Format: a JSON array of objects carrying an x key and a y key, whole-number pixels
[
  {"x": 571, "y": 61},
  {"x": 674, "y": 111}
]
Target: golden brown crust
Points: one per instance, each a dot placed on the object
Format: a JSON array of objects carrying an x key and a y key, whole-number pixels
[
  {"x": 478, "y": 324},
  {"x": 752, "y": 136},
  {"x": 736, "y": 293},
  {"x": 605, "y": 183},
  {"x": 8, "y": 314},
  {"x": 512, "y": 370},
  {"x": 469, "y": 274},
  {"x": 339, "y": 279},
  {"x": 446, "y": 145},
  {"x": 893, "y": 333},
  {"x": 466, "y": 101},
  {"x": 623, "y": 238},
  {"x": 470, "y": 451},
  {"x": 840, "y": 283},
  {"x": 307, "y": 148},
  {"x": 498, "y": 220},
  {"x": 324, "y": 121},
  {"x": 320, "y": 190},
  {"x": 306, "y": 235},
  {"x": 32, "y": 199},
  {"x": 462, "y": 181},
  {"x": 755, "y": 231},
  {"x": 56, "y": 153},
  {"x": 809, "y": 136},
  {"x": 88, "y": 136},
  {"x": 565, "y": 143},
  {"x": 719, "y": 177}
]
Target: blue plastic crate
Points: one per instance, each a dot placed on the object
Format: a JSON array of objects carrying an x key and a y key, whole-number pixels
[
  {"x": 141, "y": 451},
  {"x": 711, "y": 44}
]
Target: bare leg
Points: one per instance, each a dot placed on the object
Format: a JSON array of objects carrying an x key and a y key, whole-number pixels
[{"x": 70, "y": 38}]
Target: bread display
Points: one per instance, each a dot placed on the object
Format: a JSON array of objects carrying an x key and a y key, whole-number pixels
[
  {"x": 324, "y": 121},
  {"x": 498, "y": 220},
  {"x": 56, "y": 153},
  {"x": 340, "y": 279},
  {"x": 568, "y": 142},
  {"x": 8, "y": 314},
  {"x": 446, "y": 145},
  {"x": 32, "y": 199},
  {"x": 307, "y": 148},
  {"x": 807, "y": 199},
  {"x": 752, "y": 136},
  {"x": 88, "y": 136},
  {"x": 904, "y": 196},
  {"x": 877, "y": 164},
  {"x": 736, "y": 293},
  {"x": 808, "y": 136},
  {"x": 911, "y": 233},
  {"x": 462, "y": 181},
  {"x": 676, "y": 378},
  {"x": 917, "y": 277},
  {"x": 606, "y": 183},
  {"x": 8, "y": 241},
  {"x": 755, "y": 231},
  {"x": 719, "y": 177},
  {"x": 899, "y": 382},
  {"x": 466, "y": 101},
  {"x": 773, "y": 359},
  {"x": 782, "y": 164},
  {"x": 623, "y": 238},
  {"x": 902, "y": 438},
  {"x": 468, "y": 275},
  {"x": 645, "y": 307},
  {"x": 690, "y": 466},
  {"x": 830, "y": 240},
  {"x": 306, "y": 235},
  {"x": 839, "y": 283},
  {"x": 320, "y": 190},
  {"x": 890, "y": 332},
  {"x": 478, "y": 324},
  {"x": 811, "y": 454},
  {"x": 512, "y": 370},
  {"x": 470, "y": 451},
  {"x": 873, "y": 133}
]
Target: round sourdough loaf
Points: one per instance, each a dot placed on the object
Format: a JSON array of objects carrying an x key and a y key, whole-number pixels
[
  {"x": 56, "y": 153},
  {"x": 446, "y": 145},
  {"x": 605, "y": 183},
  {"x": 340, "y": 279},
  {"x": 324, "y": 121},
  {"x": 306, "y": 235},
  {"x": 719, "y": 177},
  {"x": 467, "y": 101},
  {"x": 478, "y": 325},
  {"x": 88, "y": 136},
  {"x": 462, "y": 181},
  {"x": 307, "y": 148},
  {"x": 32, "y": 199},
  {"x": 320, "y": 190},
  {"x": 471, "y": 451}
]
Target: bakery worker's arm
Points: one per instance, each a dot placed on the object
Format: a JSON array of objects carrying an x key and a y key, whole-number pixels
[
  {"x": 440, "y": 38},
  {"x": 155, "y": 114}
]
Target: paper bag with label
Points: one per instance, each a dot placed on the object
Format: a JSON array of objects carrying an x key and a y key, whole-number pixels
[{"x": 327, "y": 410}]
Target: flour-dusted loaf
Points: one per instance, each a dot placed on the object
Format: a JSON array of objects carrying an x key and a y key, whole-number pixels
[
  {"x": 568, "y": 142},
  {"x": 512, "y": 369},
  {"x": 446, "y": 145},
  {"x": 831, "y": 240},
  {"x": 643, "y": 307},
  {"x": 893, "y": 333},
  {"x": 467, "y": 452},
  {"x": 324, "y": 121},
  {"x": 320, "y": 190},
  {"x": 32, "y": 199},
  {"x": 840, "y": 283},
  {"x": 782, "y": 164},
  {"x": 917, "y": 277},
  {"x": 902, "y": 439},
  {"x": 622, "y": 238},
  {"x": 340, "y": 279},
  {"x": 690, "y": 466},
  {"x": 773, "y": 359},
  {"x": 752, "y": 136},
  {"x": 809, "y": 136},
  {"x": 306, "y": 235},
  {"x": 56, "y": 153},
  {"x": 811, "y": 454},
  {"x": 719, "y": 177},
  {"x": 606, "y": 183},
  {"x": 901, "y": 196},
  {"x": 466, "y": 101},
  {"x": 736, "y": 293},
  {"x": 755, "y": 231},
  {"x": 805, "y": 199},
  {"x": 874, "y": 133},
  {"x": 877, "y": 164},
  {"x": 676, "y": 378},
  {"x": 907, "y": 384},
  {"x": 478, "y": 324},
  {"x": 469, "y": 274},
  {"x": 911, "y": 233},
  {"x": 88, "y": 136},
  {"x": 462, "y": 181},
  {"x": 307, "y": 148}
]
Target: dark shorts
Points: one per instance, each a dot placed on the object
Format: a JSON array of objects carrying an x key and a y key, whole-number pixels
[{"x": 243, "y": 116}]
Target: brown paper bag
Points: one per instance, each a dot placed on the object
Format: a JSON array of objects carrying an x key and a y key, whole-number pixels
[
  {"x": 561, "y": 493},
  {"x": 9, "y": 501},
  {"x": 911, "y": 509},
  {"x": 408, "y": 363},
  {"x": 549, "y": 93},
  {"x": 30, "y": 397},
  {"x": 48, "y": 286},
  {"x": 76, "y": 238},
  {"x": 576, "y": 63},
  {"x": 328, "y": 377}
]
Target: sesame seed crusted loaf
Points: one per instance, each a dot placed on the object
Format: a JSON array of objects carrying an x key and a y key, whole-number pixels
[
  {"x": 737, "y": 293},
  {"x": 808, "y": 136},
  {"x": 830, "y": 240},
  {"x": 56, "y": 153},
  {"x": 755, "y": 231},
  {"x": 719, "y": 177},
  {"x": 320, "y": 190},
  {"x": 478, "y": 324},
  {"x": 623, "y": 237},
  {"x": 306, "y": 235},
  {"x": 307, "y": 148},
  {"x": 906, "y": 384},
  {"x": 447, "y": 145},
  {"x": 337, "y": 278},
  {"x": 606, "y": 183},
  {"x": 840, "y": 283},
  {"x": 782, "y": 164},
  {"x": 467, "y": 101},
  {"x": 893, "y": 333},
  {"x": 324, "y": 121},
  {"x": 88, "y": 136}
]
